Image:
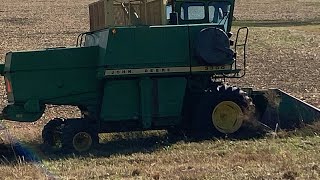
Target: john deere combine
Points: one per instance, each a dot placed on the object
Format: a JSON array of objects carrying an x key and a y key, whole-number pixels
[{"x": 137, "y": 76}]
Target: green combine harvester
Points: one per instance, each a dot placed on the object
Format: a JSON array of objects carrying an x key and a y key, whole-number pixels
[{"x": 147, "y": 77}]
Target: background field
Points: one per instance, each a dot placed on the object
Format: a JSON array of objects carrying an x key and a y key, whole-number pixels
[{"x": 283, "y": 52}]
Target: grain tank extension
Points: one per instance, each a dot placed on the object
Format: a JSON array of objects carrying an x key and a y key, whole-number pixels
[{"x": 143, "y": 71}]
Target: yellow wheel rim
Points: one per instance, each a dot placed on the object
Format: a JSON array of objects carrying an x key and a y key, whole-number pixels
[
  {"x": 227, "y": 117},
  {"x": 82, "y": 141}
]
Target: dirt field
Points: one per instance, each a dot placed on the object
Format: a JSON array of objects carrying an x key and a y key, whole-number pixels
[{"x": 283, "y": 52}]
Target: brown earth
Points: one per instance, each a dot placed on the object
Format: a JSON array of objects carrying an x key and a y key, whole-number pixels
[{"x": 283, "y": 52}]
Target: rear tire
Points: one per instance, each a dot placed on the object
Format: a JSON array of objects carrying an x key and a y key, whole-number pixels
[{"x": 78, "y": 137}]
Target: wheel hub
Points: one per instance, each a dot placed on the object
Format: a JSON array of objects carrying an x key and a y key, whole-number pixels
[
  {"x": 82, "y": 141},
  {"x": 227, "y": 117}
]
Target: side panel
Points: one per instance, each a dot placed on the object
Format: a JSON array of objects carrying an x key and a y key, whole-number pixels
[
  {"x": 54, "y": 76},
  {"x": 153, "y": 102},
  {"x": 61, "y": 76},
  {"x": 170, "y": 96},
  {"x": 63, "y": 86},
  {"x": 121, "y": 100},
  {"x": 155, "y": 46}
]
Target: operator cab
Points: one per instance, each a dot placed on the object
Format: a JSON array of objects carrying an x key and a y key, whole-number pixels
[
  {"x": 111, "y": 13},
  {"x": 199, "y": 12}
]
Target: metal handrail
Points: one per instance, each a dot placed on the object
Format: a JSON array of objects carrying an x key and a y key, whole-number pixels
[
  {"x": 244, "y": 49},
  {"x": 80, "y": 38},
  {"x": 236, "y": 75}
]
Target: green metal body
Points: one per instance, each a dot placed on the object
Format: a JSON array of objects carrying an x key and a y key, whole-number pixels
[
  {"x": 124, "y": 78},
  {"x": 145, "y": 82},
  {"x": 65, "y": 76}
]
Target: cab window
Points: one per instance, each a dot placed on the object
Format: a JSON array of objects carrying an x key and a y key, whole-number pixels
[
  {"x": 218, "y": 12},
  {"x": 192, "y": 11}
]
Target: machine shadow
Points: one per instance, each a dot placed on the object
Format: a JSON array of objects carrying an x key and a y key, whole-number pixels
[
  {"x": 128, "y": 144},
  {"x": 120, "y": 144},
  {"x": 141, "y": 143}
]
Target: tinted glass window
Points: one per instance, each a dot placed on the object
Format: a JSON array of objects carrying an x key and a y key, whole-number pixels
[
  {"x": 192, "y": 11},
  {"x": 218, "y": 12},
  {"x": 168, "y": 10}
]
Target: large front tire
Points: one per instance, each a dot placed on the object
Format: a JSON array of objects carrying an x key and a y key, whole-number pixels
[{"x": 222, "y": 110}]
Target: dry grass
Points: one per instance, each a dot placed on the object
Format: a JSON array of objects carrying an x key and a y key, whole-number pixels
[
  {"x": 281, "y": 54},
  {"x": 220, "y": 159}
]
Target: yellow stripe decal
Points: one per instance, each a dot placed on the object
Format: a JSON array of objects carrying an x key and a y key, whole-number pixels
[{"x": 117, "y": 72}]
